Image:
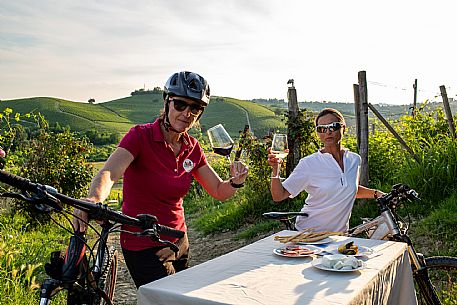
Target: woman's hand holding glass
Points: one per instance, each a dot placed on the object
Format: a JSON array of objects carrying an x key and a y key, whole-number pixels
[
  {"x": 277, "y": 152},
  {"x": 238, "y": 172}
]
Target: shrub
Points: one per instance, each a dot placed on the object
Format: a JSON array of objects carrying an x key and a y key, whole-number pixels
[
  {"x": 55, "y": 159},
  {"x": 59, "y": 160}
]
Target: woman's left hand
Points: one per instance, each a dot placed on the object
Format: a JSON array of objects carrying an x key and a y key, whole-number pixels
[{"x": 239, "y": 172}]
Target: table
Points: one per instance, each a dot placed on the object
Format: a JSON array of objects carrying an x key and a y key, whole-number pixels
[{"x": 254, "y": 275}]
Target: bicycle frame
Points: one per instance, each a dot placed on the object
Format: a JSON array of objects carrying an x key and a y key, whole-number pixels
[
  {"x": 388, "y": 226},
  {"x": 384, "y": 225},
  {"x": 75, "y": 274}
]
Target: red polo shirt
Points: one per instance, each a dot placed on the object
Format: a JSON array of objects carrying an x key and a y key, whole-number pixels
[{"x": 156, "y": 181}]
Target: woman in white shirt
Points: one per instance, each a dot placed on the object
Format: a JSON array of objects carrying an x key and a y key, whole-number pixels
[{"x": 330, "y": 176}]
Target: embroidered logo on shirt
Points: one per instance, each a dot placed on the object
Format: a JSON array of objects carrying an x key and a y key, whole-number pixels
[{"x": 188, "y": 165}]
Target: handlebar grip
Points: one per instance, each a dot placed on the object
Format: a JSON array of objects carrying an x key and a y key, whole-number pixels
[
  {"x": 17, "y": 182},
  {"x": 169, "y": 231}
]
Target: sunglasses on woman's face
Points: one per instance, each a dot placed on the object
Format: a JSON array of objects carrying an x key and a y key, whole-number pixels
[
  {"x": 332, "y": 127},
  {"x": 181, "y": 105}
]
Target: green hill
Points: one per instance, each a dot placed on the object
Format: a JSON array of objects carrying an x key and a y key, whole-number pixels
[
  {"x": 121, "y": 114},
  {"x": 79, "y": 116}
]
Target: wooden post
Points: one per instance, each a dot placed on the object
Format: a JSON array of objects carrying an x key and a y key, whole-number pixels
[
  {"x": 447, "y": 110},
  {"x": 363, "y": 149},
  {"x": 415, "y": 98},
  {"x": 392, "y": 130},
  {"x": 294, "y": 155},
  {"x": 357, "y": 113}
]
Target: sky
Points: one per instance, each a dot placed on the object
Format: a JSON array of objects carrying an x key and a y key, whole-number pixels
[{"x": 246, "y": 49}]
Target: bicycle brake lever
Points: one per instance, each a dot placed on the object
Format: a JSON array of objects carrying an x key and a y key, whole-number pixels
[
  {"x": 149, "y": 232},
  {"x": 17, "y": 196},
  {"x": 169, "y": 244},
  {"x": 39, "y": 206}
]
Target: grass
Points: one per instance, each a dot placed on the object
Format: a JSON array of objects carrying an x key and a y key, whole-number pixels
[
  {"x": 23, "y": 252},
  {"x": 77, "y": 115},
  {"x": 436, "y": 232}
]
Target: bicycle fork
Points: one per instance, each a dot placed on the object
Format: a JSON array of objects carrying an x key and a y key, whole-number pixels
[
  {"x": 64, "y": 271},
  {"x": 419, "y": 267}
]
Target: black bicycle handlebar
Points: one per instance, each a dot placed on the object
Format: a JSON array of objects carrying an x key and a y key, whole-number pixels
[
  {"x": 399, "y": 192},
  {"x": 95, "y": 210}
]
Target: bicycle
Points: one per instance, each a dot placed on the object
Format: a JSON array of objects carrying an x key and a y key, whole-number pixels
[
  {"x": 87, "y": 277},
  {"x": 435, "y": 277}
]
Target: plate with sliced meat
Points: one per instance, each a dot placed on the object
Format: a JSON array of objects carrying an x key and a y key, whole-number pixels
[{"x": 297, "y": 251}]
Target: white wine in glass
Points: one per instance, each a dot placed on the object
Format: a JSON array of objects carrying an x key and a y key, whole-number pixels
[
  {"x": 279, "y": 147},
  {"x": 220, "y": 140}
]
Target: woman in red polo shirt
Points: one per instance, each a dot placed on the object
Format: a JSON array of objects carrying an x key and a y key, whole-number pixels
[{"x": 158, "y": 162}]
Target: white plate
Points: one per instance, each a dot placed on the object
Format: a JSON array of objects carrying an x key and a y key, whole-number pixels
[
  {"x": 362, "y": 251},
  {"x": 315, "y": 250},
  {"x": 317, "y": 262},
  {"x": 318, "y": 242}
]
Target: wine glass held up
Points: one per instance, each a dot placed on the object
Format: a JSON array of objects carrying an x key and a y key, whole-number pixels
[
  {"x": 279, "y": 148},
  {"x": 221, "y": 142}
]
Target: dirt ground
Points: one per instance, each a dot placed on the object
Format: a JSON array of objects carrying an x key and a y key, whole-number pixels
[{"x": 203, "y": 248}]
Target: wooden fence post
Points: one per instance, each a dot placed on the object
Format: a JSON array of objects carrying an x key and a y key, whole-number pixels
[
  {"x": 447, "y": 110},
  {"x": 363, "y": 149},
  {"x": 294, "y": 154},
  {"x": 415, "y": 98},
  {"x": 357, "y": 113}
]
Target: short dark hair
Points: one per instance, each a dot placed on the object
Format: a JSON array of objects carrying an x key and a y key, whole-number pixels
[{"x": 326, "y": 111}]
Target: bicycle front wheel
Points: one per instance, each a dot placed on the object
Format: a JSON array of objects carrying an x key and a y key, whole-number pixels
[
  {"x": 442, "y": 279},
  {"x": 107, "y": 281}
]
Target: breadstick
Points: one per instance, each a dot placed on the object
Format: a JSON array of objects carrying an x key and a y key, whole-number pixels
[{"x": 310, "y": 237}]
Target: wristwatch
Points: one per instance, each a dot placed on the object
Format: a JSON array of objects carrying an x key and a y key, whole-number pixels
[{"x": 235, "y": 185}]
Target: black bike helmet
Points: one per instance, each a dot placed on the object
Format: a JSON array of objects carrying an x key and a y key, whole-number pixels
[{"x": 188, "y": 84}]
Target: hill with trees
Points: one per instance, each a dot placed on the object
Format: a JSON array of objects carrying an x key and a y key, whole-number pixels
[
  {"x": 121, "y": 114},
  {"x": 263, "y": 115}
]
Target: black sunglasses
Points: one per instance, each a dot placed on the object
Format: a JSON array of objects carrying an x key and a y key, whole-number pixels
[
  {"x": 181, "y": 105},
  {"x": 332, "y": 127}
]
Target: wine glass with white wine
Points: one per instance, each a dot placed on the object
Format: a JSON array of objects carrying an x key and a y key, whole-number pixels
[
  {"x": 220, "y": 140},
  {"x": 279, "y": 148}
]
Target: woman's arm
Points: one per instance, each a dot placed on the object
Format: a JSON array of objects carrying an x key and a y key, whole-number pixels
[
  {"x": 278, "y": 192},
  {"x": 364, "y": 192},
  {"x": 101, "y": 184},
  {"x": 215, "y": 186},
  {"x": 112, "y": 171}
]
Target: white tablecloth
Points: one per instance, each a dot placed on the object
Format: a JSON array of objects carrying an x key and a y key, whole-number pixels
[{"x": 254, "y": 275}]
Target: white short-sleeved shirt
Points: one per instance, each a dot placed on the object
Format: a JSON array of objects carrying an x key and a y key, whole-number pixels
[{"x": 331, "y": 192}]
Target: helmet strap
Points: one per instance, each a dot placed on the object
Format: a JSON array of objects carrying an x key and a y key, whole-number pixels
[
  {"x": 166, "y": 120},
  {"x": 200, "y": 115}
]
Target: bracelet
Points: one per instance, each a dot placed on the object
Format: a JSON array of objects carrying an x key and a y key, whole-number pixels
[
  {"x": 235, "y": 185},
  {"x": 375, "y": 194},
  {"x": 274, "y": 177}
]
